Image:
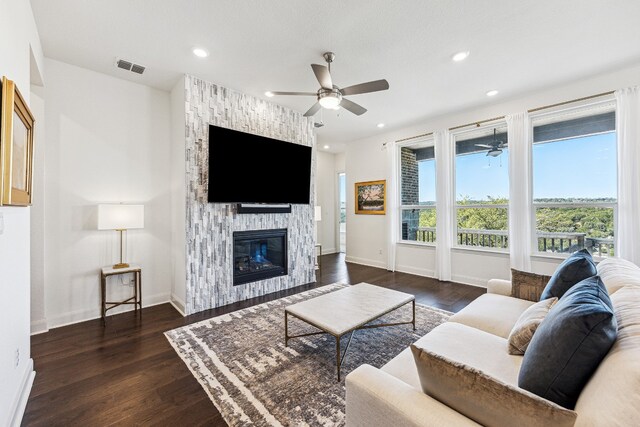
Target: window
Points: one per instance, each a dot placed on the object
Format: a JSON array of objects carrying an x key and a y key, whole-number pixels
[
  {"x": 575, "y": 180},
  {"x": 417, "y": 192},
  {"x": 482, "y": 188}
]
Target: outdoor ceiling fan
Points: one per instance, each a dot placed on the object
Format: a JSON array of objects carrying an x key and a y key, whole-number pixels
[
  {"x": 495, "y": 149},
  {"x": 331, "y": 96}
]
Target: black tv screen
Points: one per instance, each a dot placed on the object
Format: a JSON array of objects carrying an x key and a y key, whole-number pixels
[{"x": 247, "y": 168}]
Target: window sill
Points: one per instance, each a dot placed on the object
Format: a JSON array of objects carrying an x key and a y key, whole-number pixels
[
  {"x": 561, "y": 256},
  {"x": 419, "y": 244},
  {"x": 480, "y": 250}
]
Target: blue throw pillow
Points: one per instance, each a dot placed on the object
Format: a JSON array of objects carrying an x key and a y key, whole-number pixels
[
  {"x": 574, "y": 269},
  {"x": 569, "y": 344}
]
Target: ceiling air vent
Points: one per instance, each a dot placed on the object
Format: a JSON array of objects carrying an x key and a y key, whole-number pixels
[
  {"x": 125, "y": 65},
  {"x": 137, "y": 69},
  {"x": 130, "y": 66}
]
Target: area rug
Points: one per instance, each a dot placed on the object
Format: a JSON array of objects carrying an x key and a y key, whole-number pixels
[{"x": 251, "y": 377}]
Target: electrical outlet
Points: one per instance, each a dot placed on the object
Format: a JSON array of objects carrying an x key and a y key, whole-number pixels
[
  {"x": 379, "y": 251},
  {"x": 17, "y": 357}
]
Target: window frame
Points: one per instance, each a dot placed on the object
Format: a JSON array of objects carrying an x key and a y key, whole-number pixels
[
  {"x": 430, "y": 142},
  {"x": 597, "y": 107},
  {"x": 454, "y": 185}
]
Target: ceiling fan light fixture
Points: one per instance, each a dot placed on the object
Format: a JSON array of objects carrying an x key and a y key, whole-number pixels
[
  {"x": 494, "y": 152},
  {"x": 329, "y": 99}
]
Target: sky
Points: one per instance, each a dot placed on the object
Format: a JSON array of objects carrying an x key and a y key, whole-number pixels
[
  {"x": 342, "y": 189},
  {"x": 575, "y": 168}
]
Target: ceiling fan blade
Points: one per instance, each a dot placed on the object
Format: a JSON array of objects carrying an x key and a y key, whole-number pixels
[
  {"x": 373, "y": 86},
  {"x": 313, "y": 110},
  {"x": 295, "y": 93},
  {"x": 484, "y": 146},
  {"x": 323, "y": 76},
  {"x": 356, "y": 109}
]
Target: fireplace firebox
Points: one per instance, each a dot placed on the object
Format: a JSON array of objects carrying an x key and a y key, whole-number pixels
[{"x": 259, "y": 255}]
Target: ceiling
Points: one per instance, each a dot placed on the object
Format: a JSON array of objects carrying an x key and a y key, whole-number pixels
[{"x": 255, "y": 46}]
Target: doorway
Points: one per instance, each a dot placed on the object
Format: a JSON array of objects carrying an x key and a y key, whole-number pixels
[{"x": 342, "y": 212}]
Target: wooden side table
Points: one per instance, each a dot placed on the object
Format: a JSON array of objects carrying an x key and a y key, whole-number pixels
[{"x": 136, "y": 299}]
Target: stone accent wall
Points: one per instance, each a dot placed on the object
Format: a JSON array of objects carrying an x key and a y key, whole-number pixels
[
  {"x": 410, "y": 193},
  {"x": 210, "y": 227}
]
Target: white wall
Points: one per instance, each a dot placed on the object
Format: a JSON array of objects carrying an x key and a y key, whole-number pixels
[
  {"x": 365, "y": 160},
  {"x": 326, "y": 198},
  {"x": 366, "y": 235},
  {"x": 108, "y": 140},
  {"x": 18, "y": 35},
  {"x": 178, "y": 196}
]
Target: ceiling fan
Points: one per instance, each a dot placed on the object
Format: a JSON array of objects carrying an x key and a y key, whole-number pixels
[
  {"x": 331, "y": 96},
  {"x": 495, "y": 149}
]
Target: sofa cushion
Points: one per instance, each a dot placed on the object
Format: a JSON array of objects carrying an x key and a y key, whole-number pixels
[
  {"x": 616, "y": 273},
  {"x": 492, "y": 313},
  {"x": 612, "y": 394},
  {"x": 463, "y": 344},
  {"x": 572, "y": 270},
  {"x": 482, "y": 397},
  {"x": 527, "y": 286},
  {"x": 570, "y": 344},
  {"x": 526, "y": 326}
]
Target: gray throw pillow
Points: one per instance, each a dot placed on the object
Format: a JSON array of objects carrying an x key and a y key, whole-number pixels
[
  {"x": 570, "y": 344},
  {"x": 576, "y": 268}
]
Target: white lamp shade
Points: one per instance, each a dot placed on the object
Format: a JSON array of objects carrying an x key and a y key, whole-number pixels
[
  {"x": 120, "y": 217},
  {"x": 318, "y": 213}
]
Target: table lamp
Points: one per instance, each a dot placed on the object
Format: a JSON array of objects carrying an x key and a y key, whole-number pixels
[{"x": 120, "y": 218}]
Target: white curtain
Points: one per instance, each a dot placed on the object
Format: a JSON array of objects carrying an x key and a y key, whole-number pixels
[
  {"x": 628, "y": 133},
  {"x": 444, "y": 203},
  {"x": 519, "y": 191},
  {"x": 392, "y": 204}
]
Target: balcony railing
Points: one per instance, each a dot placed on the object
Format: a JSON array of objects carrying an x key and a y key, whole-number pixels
[{"x": 547, "y": 242}]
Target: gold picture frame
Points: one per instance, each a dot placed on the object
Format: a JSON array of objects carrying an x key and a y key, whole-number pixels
[
  {"x": 16, "y": 147},
  {"x": 371, "y": 197}
]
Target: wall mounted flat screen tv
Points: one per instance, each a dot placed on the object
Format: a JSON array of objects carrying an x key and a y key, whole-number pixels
[{"x": 247, "y": 168}]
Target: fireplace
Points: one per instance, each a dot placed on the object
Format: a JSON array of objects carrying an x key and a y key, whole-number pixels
[{"x": 259, "y": 255}]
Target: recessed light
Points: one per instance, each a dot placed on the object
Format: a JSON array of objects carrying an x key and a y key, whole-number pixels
[
  {"x": 268, "y": 93},
  {"x": 326, "y": 147},
  {"x": 200, "y": 52},
  {"x": 380, "y": 125},
  {"x": 492, "y": 92},
  {"x": 460, "y": 56}
]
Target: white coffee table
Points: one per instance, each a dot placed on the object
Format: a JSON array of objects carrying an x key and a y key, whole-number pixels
[{"x": 347, "y": 310}]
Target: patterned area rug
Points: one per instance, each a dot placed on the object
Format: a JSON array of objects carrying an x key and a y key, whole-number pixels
[{"x": 253, "y": 379}]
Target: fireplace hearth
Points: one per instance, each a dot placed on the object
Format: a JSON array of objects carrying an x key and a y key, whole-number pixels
[{"x": 259, "y": 255}]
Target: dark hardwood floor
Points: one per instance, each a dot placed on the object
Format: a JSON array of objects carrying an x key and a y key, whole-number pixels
[{"x": 127, "y": 373}]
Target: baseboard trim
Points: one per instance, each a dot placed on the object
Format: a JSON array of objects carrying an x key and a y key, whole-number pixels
[
  {"x": 365, "y": 261},
  {"x": 329, "y": 251},
  {"x": 417, "y": 271},
  {"x": 84, "y": 315},
  {"x": 178, "y": 304},
  {"x": 39, "y": 327},
  {"x": 23, "y": 397},
  {"x": 469, "y": 280}
]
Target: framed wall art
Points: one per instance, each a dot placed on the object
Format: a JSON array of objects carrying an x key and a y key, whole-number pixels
[
  {"x": 16, "y": 147},
  {"x": 371, "y": 197}
]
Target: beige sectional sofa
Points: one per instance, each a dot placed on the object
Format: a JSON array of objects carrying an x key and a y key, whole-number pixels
[{"x": 477, "y": 337}]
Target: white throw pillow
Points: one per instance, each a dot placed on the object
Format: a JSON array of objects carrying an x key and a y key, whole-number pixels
[{"x": 526, "y": 326}]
